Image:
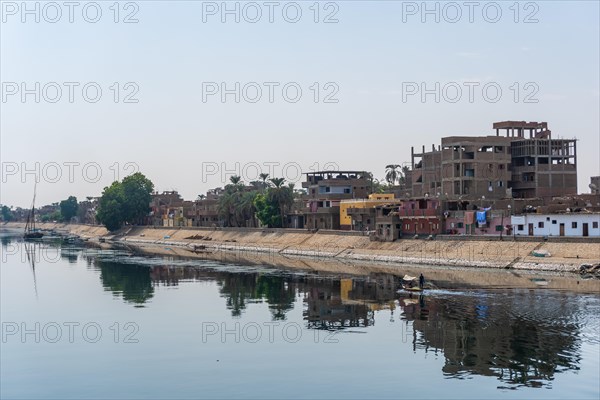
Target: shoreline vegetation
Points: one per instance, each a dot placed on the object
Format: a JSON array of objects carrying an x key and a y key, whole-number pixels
[{"x": 352, "y": 253}]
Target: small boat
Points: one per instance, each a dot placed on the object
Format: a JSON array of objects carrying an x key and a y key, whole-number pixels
[
  {"x": 412, "y": 288},
  {"x": 31, "y": 232},
  {"x": 409, "y": 283},
  {"x": 541, "y": 253}
]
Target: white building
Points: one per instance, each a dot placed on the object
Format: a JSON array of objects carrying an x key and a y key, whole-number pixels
[{"x": 571, "y": 224}]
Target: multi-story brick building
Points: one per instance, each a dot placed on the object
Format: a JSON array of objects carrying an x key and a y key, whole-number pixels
[
  {"x": 496, "y": 167},
  {"x": 325, "y": 190}
]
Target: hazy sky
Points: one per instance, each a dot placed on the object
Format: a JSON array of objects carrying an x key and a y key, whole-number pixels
[{"x": 361, "y": 80}]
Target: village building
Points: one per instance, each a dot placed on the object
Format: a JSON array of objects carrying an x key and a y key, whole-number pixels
[
  {"x": 325, "y": 191},
  {"x": 359, "y": 214},
  {"x": 583, "y": 224},
  {"x": 497, "y": 167},
  {"x": 414, "y": 217}
]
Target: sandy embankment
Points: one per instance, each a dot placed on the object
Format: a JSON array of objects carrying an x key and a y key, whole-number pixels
[
  {"x": 566, "y": 257},
  {"x": 449, "y": 263}
]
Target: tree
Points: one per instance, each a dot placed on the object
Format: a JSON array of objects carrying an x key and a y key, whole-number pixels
[
  {"x": 54, "y": 216},
  {"x": 125, "y": 202},
  {"x": 69, "y": 208},
  {"x": 110, "y": 211},
  {"x": 236, "y": 180},
  {"x": 271, "y": 206},
  {"x": 267, "y": 211},
  {"x": 263, "y": 176},
  {"x": 137, "y": 192},
  {"x": 392, "y": 173},
  {"x": 6, "y": 214}
]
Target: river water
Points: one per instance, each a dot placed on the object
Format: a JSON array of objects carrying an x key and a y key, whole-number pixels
[{"x": 79, "y": 322}]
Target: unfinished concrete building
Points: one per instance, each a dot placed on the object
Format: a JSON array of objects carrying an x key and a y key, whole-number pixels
[
  {"x": 497, "y": 167},
  {"x": 542, "y": 167},
  {"x": 426, "y": 173}
]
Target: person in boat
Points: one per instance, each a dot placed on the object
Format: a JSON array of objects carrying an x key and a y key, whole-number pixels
[{"x": 421, "y": 281}]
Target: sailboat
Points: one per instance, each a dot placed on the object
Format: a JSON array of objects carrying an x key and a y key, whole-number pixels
[{"x": 31, "y": 232}]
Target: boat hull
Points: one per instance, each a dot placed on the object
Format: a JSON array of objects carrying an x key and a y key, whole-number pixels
[
  {"x": 412, "y": 289},
  {"x": 33, "y": 235}
]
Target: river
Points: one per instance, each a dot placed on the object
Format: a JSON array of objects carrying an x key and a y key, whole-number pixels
[{"x": 80, "y": 322}]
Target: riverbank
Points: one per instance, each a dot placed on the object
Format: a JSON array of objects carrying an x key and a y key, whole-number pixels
[
  {"x": 449, "y": 264},
  {"x": 347, "y": 246}
]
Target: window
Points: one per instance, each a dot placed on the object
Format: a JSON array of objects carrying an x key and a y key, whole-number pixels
[
  {"x": 520, "y": 227},
  {"x": 500, "y": 184},
  {"x": 553, "y": 222},
  {"x": 547, "y": 218},
  {"x": 460, "y": 225},
  {"x": 573, "y": 225},
  {"x": 498, "y": 228},
  {"x": 595, "y": 224},
  {"x": 540, "y": 224}
]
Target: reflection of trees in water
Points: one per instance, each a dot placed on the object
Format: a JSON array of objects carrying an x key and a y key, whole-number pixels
[
  {"x": 278, "y": 293},
  {"x": 241, "y": 289},
  {"x": 521, "y": 341},
  {"x": 132, "y": 282},
  {"x": 238, "y": 289},
  {"x": 5, "y": 240}
]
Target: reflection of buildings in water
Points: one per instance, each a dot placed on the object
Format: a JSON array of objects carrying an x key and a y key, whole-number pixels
[
  {"x": 523, "y": 346},
  {"x": 331, "y": 302},
  {"x": 342, "y": 303},
  {"x": 326, "y": 310}
]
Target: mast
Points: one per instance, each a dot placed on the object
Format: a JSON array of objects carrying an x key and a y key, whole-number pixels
[
  {"x": 33, "y": 206},
  {"x": 30, "y": 224}
]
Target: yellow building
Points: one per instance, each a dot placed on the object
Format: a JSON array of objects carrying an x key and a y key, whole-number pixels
[{"x": 374, "y": 200}]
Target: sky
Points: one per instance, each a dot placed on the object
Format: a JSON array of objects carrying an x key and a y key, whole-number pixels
[{"x": 190, "y": 92}]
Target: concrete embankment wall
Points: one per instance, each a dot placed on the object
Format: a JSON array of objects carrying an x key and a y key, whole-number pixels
[{"x": 353, "y": 246}]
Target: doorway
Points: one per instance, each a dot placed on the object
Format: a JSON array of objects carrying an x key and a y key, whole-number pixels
[
  {"x": 530, "y": 229},
  {"x": 585, "y": 229},
  {"x": 562, "y": 230}
]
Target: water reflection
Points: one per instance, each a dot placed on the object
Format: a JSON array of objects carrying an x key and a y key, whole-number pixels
[
  {"x": 520, "y": 337},
  {"x": 519, "y": 340},
  {"x": 132, "y": 283}
]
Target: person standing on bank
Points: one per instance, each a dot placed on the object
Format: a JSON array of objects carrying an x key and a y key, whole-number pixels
[{"x": 421, "y": 281}]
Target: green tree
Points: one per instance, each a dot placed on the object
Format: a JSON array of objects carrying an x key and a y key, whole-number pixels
[
  {"x": 54, "y": 216},
  {"x": 271, "y": 206},
  {"x": 137, "y": 192},
  {"x": 6, "y": 214},
  {"x": 69, "y": 208},
  {"x": 110, "y": 207},
  {"x": 125, "y": 202},
  {"x": 267, "y": 211}
]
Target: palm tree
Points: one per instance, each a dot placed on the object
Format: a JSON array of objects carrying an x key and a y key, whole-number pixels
[
  {"x": 236, "y": 180},
  {"x": 402, "y": 178},
  {"x": 281, "y": 195},
  {"x": 392, "y": 173},
  {"x": 264, "y": 177},
  {"x": 277, "y": 182}
]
